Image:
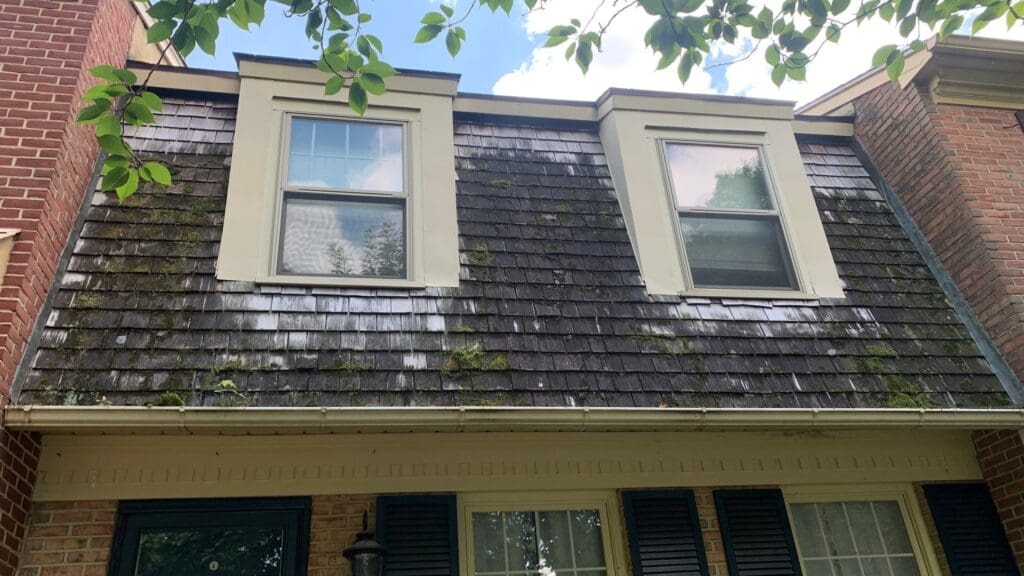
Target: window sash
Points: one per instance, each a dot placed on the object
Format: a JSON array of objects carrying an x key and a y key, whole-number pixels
[
  {"x": 857, "y": 556},
  {"x": 286, "y": 191},
  {"x": 286, "y": 155},
  {"x": 785, "y": 257},
  {"x": 340, "y": 198},
  {"x": 535, "y": 515},
  {"x": 786, "y": 248}
]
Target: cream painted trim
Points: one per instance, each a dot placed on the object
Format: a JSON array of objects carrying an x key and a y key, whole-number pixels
[
  {"x": 692, "y": 104},
  {"x": 818, "y": 128},
  {"x": 123, "y": 467},
  {"x": 901, "y": 493},
  {"x": 170, "y": 53},
  {"x": 250, "y": 421},
  {"x": 191, "y": 80},
  {"x": 835, "y": 100},
  {"x": 632, "y": 141},
  {"x": 979, "y": 93},
  {"x": 7, "y": 236},
  {"x": 525, "y": 107},
  {"x": 606, "y": 502},
  {"x": 302, "y": 72},
  {"x": 251, "y": 221}
]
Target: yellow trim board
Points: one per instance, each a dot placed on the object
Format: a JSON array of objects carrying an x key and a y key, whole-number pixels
[
  {"x": 119, "y": 467},
  {"x": 324, "y": 420}
]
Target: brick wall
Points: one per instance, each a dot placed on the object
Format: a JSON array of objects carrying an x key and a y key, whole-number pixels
[
  {"x": 960, "y": 172},
  {"x": 46, "y": 48},
  {"x": 69, "y": 539},
  {"x": 714, "y": 550},
  {"x": 1001, "y": 456},
  {"x": 334, "y": 523}
]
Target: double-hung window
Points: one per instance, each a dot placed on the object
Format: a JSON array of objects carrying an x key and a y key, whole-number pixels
[
  {"x": 861, "y": 538},
  {"x": 344, "y": 200},
  {"x": 729, "y": 219}
]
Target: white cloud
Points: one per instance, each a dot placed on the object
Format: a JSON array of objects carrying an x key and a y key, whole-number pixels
[{"x": 627, "y": 63}]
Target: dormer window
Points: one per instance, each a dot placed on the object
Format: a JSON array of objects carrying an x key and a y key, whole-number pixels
[
  {"x": 344, "y": 200},
  {"x": 731, "y": 229},
  {"x": 320, "y": 196}
]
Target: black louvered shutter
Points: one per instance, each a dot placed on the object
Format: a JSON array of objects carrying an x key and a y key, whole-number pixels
[
  {"x": 756, "y": 534},
  {"x": 664, "y": 533},
  {"x": 972, "y": 535},
  {"x": 420, "y": 534}
]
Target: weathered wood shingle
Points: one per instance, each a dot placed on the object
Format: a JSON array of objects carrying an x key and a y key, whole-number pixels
[{"x": 550, "y": 293}]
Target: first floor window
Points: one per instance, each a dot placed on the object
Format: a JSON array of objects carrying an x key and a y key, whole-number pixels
[
  {"x": 729, "y": 219},
  {"x": 542, "y": 543},
  {"x": 212, "y": 538},
  {"x": 344, "y": 200},
  {"x": 853, "y": 539}
]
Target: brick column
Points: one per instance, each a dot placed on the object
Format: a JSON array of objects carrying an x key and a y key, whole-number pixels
[
  {"x": 1001, "y": 456},
  {"x": 334, "y": 523},
  {"x": 714, "y": 549},
  {"x": 46, "y": 161},
  {"x": 69, "y": 539}
]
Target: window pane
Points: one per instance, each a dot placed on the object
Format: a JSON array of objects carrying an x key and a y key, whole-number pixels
[
  {"x": 853, "y": 534},
  {"x": 340, "y": 237},
  {"x": 488, "y": 542},
  {"x": 345, "y": 155},
  {"x": 746, "y": 252},
  {"x": 548, "y": 543},
  {"x": 210, "y": 552},
  {"x": 717, "y": 177}
]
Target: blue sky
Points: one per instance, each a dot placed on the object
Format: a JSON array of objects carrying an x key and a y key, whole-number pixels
[
  {"x": 497, "y": 43},
  {"x": 504, "y": 54}
]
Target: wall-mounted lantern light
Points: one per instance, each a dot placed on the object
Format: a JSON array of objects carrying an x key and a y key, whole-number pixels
[{"x": 366, "y": 554}]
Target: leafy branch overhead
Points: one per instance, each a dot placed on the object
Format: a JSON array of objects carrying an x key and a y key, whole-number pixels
[{"x": 683, "y": 33}]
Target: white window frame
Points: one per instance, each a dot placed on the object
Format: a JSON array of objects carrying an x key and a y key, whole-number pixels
[
  {"x": 605, "y": 502},
  {"x": 777, "y": 211},
  {"x": 902, "y": 494},
  {"x": 327, "y": 193}
]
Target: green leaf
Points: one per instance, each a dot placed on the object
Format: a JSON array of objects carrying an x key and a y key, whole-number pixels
[
  {"x": 105, "y": 72},
  {"x": 137, "y": 114},
  {"x": 113, "y": 145},
  {"x": 570, "y": 50},
  {"x": 333, "y": 85},
  {"x": 428, "y": 33},
  {"x": 584, "y": 56},
  {"x": 126, "y": 76},
  {"x": 887, "y": 11},
  {"x": 772, "y": 56},
  {"x": 364, "y": 47},
  {"x": 894, "y": 67},
  {"x": 374, "y": 84},
  {"x": 685, "y": 67},
  {"x": 130, "y": 186},
  {"x": 448, "y": 10},
  {"x": 346, "y": 7},
  {"x": 798, "y": 73},
  {"x": 364, "y": 18},
  {"x": 555, "y": 40},
  {"x": 239, "y": 15},
  {"x": 206, "y": 39},
  {"x": 452, "y": 42},
  {"x": 779, "y": 74},
  {"x": 117, "y": 176},
  {"x": 163, "y": 10},
  {"x": 378, "y": 68},
  {"x": 160, "y": 31},
  {"x": 98, "y": 91},
  {"x": 108, "y": 125},
  {"x": 184, "y": 39},
  {"x": 92, "y": 113},
  {"x": 158, "y": 173},
  {"x": 152, "y": 101},
  {"x": 951, "y": 25},
  {"x": 840, "y": 6},
  {"x": 907, "y": 25},
  {"x": 882, "y": 55},
  {"x": 357, "y": 99},
  {"x": 431, "y": 18},
  {"x": 255, "y": 10}
]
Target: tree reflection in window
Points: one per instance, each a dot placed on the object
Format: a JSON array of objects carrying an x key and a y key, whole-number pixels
[
  {"x": 548, "y": 543},
  {"x": 210, "y": 552}
]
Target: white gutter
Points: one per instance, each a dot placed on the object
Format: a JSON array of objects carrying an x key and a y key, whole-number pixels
[{"x": 126, "y": 420}]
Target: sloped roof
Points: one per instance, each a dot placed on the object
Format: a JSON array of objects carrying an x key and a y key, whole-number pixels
[{"x": 550, "y": 296}]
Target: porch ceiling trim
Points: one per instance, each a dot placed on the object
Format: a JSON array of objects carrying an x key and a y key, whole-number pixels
[{"x": 350, "y": 420}]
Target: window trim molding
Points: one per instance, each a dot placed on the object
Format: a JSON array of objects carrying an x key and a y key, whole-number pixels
[
  {"x": 778, "y": 211},
  {"x": 902, "y": 494},
  {"x": 132, "y": 513},
  {"x": 606, "y": 502},
  {"x": 631, "y": 139},
  {"x": 251, "y": 228},
  {"x": 406, "y": 195}
]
